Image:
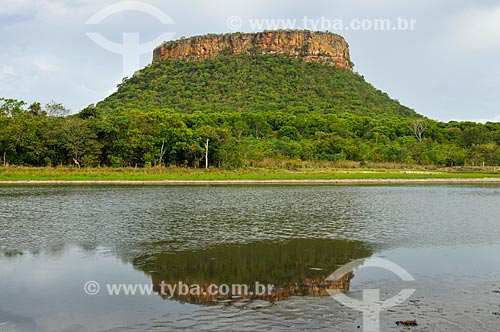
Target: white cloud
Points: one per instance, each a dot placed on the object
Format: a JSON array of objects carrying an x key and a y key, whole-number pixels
[
  {"x": 13, "y": 10},
  {"x": 34, "y": 64},
  {"x": 17, "y": 7},
  {"x": 44, "y": 64},
  {"x": 478, "y": 28},
  {"x": 6, "y": 71}
]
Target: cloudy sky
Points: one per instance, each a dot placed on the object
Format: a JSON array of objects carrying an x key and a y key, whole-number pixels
[{"x": 447, "y": 68}]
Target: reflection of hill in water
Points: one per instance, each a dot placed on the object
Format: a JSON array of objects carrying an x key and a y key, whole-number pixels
[{"x": 295, "y": 268}]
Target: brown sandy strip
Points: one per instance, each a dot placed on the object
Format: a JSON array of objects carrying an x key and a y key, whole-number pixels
[{"x": 259, "y": 182}]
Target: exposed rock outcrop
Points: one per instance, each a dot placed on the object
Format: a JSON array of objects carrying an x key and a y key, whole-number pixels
[
  {"x": 205, "y": 296},
  {"x": 324, "y": 47}
]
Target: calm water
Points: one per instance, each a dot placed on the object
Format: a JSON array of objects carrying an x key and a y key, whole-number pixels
[{"x": 55, "y": 239}]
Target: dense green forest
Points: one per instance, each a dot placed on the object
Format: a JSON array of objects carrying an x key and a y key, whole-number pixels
[
  {"x": 249, "y": 108},
  {"x": 251, "y": 84}
]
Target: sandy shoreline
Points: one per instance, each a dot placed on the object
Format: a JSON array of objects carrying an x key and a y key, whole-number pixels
[{"x": 258, "y": 182}]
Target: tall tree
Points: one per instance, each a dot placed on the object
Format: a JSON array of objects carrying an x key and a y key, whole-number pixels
[{"x": 56, "y": 109}]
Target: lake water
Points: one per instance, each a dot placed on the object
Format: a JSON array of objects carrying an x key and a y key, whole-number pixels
[{"x": 55, "y": 239}]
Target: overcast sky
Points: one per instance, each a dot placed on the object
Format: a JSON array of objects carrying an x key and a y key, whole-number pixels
[{"x": 447, "y": 68}]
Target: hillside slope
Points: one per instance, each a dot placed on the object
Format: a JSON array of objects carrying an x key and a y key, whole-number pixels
[{"x": 251, "y": 83}]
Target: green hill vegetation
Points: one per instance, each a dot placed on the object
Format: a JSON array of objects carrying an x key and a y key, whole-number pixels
[
  {"x": 250, "y": 109},
  {"x": 251, "y": 84}
]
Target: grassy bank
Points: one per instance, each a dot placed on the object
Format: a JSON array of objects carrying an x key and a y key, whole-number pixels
[{"x": 184, "y": 174}]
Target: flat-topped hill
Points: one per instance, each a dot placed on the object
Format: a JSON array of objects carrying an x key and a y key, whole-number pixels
[{"x": 323, "y": 47}]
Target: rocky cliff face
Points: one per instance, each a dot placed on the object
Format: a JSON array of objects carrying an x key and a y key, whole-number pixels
[{"x": 323, "y": 47}]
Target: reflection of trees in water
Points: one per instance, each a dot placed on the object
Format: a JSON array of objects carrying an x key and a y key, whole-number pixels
[
  {"x": 295, "y": 268},
  {"x": 53, "y": 250}
]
